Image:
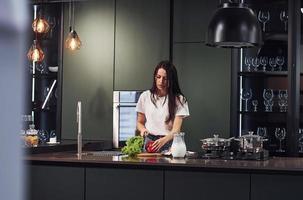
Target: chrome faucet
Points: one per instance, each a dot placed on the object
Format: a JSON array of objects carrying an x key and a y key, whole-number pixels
[{"x": 79, "y": 121}]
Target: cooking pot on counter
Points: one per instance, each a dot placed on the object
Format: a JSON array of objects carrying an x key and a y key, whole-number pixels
[
  {"x": 251, "y": 143},
  {"x": 215, "y": 143}
]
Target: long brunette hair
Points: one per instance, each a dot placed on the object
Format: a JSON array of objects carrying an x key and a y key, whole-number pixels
[{"x": 173, "y": 89}]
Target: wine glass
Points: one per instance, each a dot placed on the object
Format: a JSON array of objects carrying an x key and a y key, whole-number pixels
[
  {"x": 272, "y": 63},
  {"x": 268, "y": 95},
  {"x": 248, "y": 62},
  {"x": 284, "y": 18},
  {"x": 246, "y": 94},
  {"x": 283, "y": 94},
  {"x": 255, "y": 63},
  {"x": 263, "y": 17},
  {"x": 262, "y": 131},
  {"x": 280, "y": 62},
  {"x": 280, "y": 134},
  {"x": 255, "y": 104},
  {"x": 52, "y": 24},
  {"x": 264, "y": 62}
]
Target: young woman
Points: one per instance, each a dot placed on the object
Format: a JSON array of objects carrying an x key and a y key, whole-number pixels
[{"x": 161, "y": 109}]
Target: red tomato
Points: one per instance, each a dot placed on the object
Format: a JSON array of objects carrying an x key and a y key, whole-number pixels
[{"x": 149, "y": 147}]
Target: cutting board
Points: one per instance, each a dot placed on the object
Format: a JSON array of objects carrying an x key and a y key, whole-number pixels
[{"x": 149, "y": 154}]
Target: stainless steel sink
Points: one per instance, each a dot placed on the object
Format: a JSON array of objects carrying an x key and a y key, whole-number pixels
[{"x": 103, "y": 153}]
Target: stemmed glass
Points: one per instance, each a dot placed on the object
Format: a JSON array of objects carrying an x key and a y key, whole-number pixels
[
  {"x": 284, "y": 18},
  {"x": 255, "y": 104},
  {"x": 263, "y": 17},
  {"x": 280, "y": 134},
  {"x": 262, "y": 131},
  {"x": 283, "y": 100},
  {"x": 280, "y": 62},
  {"x": 246, "y": 94},
  {"x": 255, "y": 63},
  {"x": 264, "y": 62},
  {"x": 268, "y": 95},
  {"x": 52, "y": 24},
  {"x": 248, "y": 62},
  {"x": 272, "y": 63}
]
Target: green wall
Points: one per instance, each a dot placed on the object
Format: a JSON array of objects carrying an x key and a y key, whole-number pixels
[{"x": 122, "y": 43}]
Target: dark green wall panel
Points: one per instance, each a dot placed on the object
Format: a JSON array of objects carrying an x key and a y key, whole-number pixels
[
  {"x": 88, "y": 73},
  {"x": 191, "y": 18},
  {"x": 142, "y": 40},
  {"x": 204, "y": 75}
]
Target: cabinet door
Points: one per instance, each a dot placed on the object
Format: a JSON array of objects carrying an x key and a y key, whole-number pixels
[
  {"x": 278, "y": 187},
  {"x": 204, "y": 76},
  {"x": 142, "y": 40},
  {"x": 54, "y": 182},
  {"x": 191, "y": 18},
  {"x": 88, "y": 72},
  {"x": 121, "y": 184},
  {"x": 198, "y": 185}
]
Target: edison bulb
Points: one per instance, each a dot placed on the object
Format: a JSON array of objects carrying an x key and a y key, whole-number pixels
[
  {"x": 35, "y": 53},
  {"x": 73, "y": 41},
  {"x": 40, "y": 25}
]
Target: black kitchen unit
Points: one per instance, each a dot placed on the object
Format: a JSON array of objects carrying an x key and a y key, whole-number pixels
[
  {"x": 266, "y": 80},
  {"x": 43, "y": 95}
]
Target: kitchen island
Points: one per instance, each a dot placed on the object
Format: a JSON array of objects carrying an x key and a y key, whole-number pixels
[{"x": 61, "y": 175}]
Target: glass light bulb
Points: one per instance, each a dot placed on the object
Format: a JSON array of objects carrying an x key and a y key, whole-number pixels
[
  {"x": 73, "y": 41},
  {"x": 35, "y": 53},
  {"x": 40, "y": 25}
]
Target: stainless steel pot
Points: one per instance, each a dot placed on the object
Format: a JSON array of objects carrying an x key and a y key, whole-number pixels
[
  {"x": 251, "y": 143},
  {"x": 215, "y": 143}
]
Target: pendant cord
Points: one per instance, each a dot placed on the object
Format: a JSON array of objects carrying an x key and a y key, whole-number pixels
[
  {"x": 73, "y": 15},
  {"x": 70, "y": 15}
]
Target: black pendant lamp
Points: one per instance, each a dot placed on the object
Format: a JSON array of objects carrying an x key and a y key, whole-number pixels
[{"x": 234, "y": 25}]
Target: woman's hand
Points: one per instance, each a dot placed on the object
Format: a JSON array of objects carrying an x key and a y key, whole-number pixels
[{"x": 160, "y": 142}]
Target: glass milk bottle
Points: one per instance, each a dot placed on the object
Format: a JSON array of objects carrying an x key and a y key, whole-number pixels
[{"x": 178, "y": 148}]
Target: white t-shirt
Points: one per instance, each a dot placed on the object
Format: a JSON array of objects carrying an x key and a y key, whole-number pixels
[{"x": 157, "y": 115}]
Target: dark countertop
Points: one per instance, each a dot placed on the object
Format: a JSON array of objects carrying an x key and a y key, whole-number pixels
[{"x": 287, "y": 165}]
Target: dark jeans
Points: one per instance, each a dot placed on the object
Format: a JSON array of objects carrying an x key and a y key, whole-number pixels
[{"x": 151, "y": 137}]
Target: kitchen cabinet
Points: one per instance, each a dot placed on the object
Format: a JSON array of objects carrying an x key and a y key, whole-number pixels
[
  {"x": 141, "y": 41},
  {"x": 200, "y": 185},
  {"x": 107, "y": 183},
  {"x": 88, "y": 72},
  {"x": 278, "y": 187},
  {"x": 265, "y": 87},
  {"x": 204, "y": 79},
  {"x": 55, "y": 182}
]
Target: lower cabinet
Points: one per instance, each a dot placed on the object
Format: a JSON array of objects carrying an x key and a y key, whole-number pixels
[
  {"x": 277, "y": 187},
  {"x": 55, "y": 183},
  {"x": 199, "y": 185},
  {"x": 122, "y": 184}
]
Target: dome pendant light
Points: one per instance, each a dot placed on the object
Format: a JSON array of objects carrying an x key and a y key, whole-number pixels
[
  {"x": 72, "y": 41},
  {"x": 234, "y": 25}
]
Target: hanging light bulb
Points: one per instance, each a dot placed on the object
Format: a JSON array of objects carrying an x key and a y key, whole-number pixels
[
  {"x": 35, "y": 53},
  {"x": 73, "y": 41},
  {"x": 40, "y": 25}
]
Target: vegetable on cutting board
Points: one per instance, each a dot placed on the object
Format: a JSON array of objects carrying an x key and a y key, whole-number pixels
[{"x": 133, "y": 146}]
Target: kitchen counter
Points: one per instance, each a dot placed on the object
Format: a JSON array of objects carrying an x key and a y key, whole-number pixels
[
  {"x": 120, "y": 177},
  {"x": 287, "y": 165}
]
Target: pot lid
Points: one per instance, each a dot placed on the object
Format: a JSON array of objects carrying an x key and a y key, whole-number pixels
[{"x": 214, "y": 139}]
